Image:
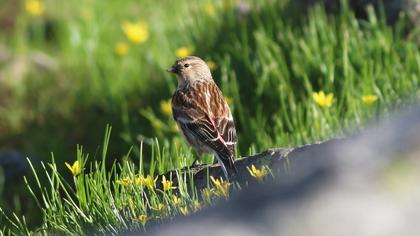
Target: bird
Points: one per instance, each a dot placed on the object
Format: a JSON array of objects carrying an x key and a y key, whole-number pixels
[{"x": 202, "y": 113}]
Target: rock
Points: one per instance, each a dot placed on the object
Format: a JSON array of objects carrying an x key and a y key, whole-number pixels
[{"x": 363, "y": 185}]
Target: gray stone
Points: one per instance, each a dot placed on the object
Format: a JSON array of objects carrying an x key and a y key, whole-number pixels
[{"x": 367, "y": 184}]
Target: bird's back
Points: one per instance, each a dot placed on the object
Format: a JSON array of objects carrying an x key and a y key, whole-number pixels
[{"x": 202, "y": 103}]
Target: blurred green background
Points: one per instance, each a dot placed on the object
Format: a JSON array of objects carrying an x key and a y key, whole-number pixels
[{"x": 68, "y": 68}]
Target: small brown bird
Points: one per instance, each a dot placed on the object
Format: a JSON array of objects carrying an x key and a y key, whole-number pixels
[{"x": 202, "y": 114}]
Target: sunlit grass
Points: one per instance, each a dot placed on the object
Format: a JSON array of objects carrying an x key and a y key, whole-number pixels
[{"x": 122, "y": 198}]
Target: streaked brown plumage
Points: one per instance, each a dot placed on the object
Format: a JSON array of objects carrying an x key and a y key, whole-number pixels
[{"x": 202, "y": 114}]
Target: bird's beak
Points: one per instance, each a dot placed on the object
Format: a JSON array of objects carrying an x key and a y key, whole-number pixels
[
  {"x": 174, "y": 69},
  {"x": 170, "y": 69}
]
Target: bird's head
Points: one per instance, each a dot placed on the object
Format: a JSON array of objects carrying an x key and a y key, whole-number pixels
[{"x": 191, "y": 68}]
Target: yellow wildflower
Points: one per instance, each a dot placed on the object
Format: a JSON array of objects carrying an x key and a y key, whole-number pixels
[
  {"x": 149, "y": 182},
  {"x": 138, "y": 181},
  {"x": 207, "y": 194},
  {"x": 142, "y": 219},
  {"x": 216, "y": 182},
  {"x": 212, "y": 65},
  {"x": 322, "y": 99},
  {"x": 210, "y": 9},
  {"x": 369, "y": 99},
  {"x": 184, "y": 210},
  {"x": 75, "y": 169},
  {"x": 196, "y": 205},
  {"x": 124, "y": 182},
  {"x": 176, "y": 200},
  {"x": 166, "y": 107},
  {"x": 222, "y": 187},
  {"x": 34, "y": 7},
  {"x": 136, "y": 32},
  {"x": 167, "y": 184},
  {"x": 160, "y": 209},
  {"x": 259, "y": 174},
  {"x": 121, "y": 49},
  {"x": 184, "y": 51}
]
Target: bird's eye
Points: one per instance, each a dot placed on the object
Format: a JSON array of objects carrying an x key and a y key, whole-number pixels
[{"x": 186, "y": 65}]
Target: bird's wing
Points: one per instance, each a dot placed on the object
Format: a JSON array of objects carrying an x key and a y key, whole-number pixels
[{"x": 201, "y": 110}]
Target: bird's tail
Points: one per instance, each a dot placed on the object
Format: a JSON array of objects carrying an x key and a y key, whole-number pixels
[{"x": 228, "y": 166}]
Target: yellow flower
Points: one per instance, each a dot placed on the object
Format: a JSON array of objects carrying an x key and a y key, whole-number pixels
[
  {"x": 142, "y": 219},
  {"x": 222, "y": 188},
  {"x": 207, "y": 194},
  {"x": 121, "y": 49},
  {"x": 149, "y": 182},
  {"x": 196, "y": 205},
  {"x": 176, "y": 200},
  {"x": 322, "y": 99},
  {"x": 183, "y": 51},
  {"x": 166, "y": 107},
  {"x": 34, "y": 7},
  {"x": 75, "y": 169},
  {"x": 212, "y": 65},
  {"x": 124, "y": 182},
  {"x": 167, "y": 184},
  {"x": 138, "y": 181},
  {"x": 210, "y": 9},
  {"x": 136, "y": 32},
  {"x": 259, "y": 174},
  {"x": 369, "y": 99},
  {"x": 160, "y": 209},
  {"x": 184, "y": 210}
]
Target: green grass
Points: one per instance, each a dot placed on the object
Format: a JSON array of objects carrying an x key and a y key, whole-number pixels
[
  {"x": 269, "y": 63},
  {"x": 110, "y": 201}
]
